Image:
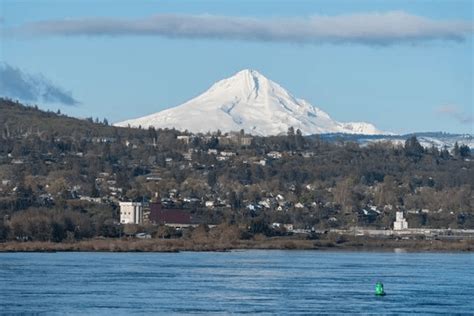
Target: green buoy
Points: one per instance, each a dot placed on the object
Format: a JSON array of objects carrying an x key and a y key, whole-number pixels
[{"x": 379, "y": 289}]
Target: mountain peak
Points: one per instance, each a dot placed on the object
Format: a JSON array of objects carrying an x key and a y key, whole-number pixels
[
  {"x": 249, "y": 85},
  {"x": 249, "y": 73},
  {"x": 247, "y": 79},
  {"x": 248, "y": 100}
]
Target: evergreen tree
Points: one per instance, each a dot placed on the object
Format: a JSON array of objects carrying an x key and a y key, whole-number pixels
[
  {"x": 212, "y": 178},
  {"x": 94, "y": 190},
  {"x": 299, "y": 140},
  {"x": 456, "y": 150},
  {"x": 464, "y": 151},
  {"x": 413, "y": 148},
  {"x": 291, "y": 132}
]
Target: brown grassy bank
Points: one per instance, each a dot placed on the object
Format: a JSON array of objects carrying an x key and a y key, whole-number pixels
[{"x": 283, "y": 243}]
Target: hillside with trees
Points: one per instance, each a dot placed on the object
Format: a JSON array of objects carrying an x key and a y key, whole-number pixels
[{"x": 61, "y": 178}]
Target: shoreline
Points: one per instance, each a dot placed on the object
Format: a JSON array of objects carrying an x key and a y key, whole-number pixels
[{"x": 280, "y": 243}]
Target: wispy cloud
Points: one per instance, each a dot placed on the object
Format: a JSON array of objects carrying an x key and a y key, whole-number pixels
[
  {"x": 363, "y": 28},
  {"x": 456, "y": 113},
  {"x": 15, "y": 83}
]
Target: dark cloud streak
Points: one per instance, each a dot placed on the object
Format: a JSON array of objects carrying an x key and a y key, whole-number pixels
[
  {"x": 456, "y": 113},
  {"x": 14, "y": 83}
]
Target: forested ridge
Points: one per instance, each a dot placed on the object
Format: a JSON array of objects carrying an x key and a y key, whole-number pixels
[{"x": 61, "y": 178}]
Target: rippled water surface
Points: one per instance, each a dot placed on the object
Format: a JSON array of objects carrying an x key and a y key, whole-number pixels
[{"x": 271, "y": 282}]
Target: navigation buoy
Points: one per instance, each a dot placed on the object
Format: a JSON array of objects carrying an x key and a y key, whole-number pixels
[{"x": 379, "y": 289}]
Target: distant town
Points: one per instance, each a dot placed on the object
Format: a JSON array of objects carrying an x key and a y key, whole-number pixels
[
  {"x": 155, "y": 213},
  {"x": 65, "y": 179}
]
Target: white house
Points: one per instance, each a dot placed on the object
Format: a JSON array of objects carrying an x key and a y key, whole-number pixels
[
  {"x": 131, "y": 213},
  {"x": 184, "y": 138},
  {"x": 288, "y": 227},
  {"x": 227, "y": 154},
  {"x": 274, "y": 154},
  {"x": 400, "y": 222},
  {"x": 209, "y": 204}
]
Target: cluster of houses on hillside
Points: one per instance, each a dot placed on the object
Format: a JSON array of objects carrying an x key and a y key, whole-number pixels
[
  {"x": 108, "y": 190},
  {"x": 156, "y": 213},
  {"x": 107, "y": 186},
  {"x": 227, "y": 139}
]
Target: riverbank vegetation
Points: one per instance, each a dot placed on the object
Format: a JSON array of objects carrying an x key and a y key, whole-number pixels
[{"x": 328, "y": 243}]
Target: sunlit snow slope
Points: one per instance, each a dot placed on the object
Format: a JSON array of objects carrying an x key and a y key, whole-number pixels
[{"x": 249, "y": 101}]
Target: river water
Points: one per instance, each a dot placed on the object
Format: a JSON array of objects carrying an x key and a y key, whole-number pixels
[{"x": 250, "y": 282}]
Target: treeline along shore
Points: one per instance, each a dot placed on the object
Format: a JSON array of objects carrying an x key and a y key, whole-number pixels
[
  {"x": 62, "y": 180},
  {"x": 275, "y": 243}
]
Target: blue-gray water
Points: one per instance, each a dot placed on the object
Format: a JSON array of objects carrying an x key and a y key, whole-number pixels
[{"x": 272, "y": 282}]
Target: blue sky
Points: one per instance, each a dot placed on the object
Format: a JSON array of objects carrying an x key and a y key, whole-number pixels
[{"x": 401, "y": 85}]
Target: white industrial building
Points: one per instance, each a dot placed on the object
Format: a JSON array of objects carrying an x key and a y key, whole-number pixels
[
  {"x": 131, "y": 213},
  {"x": 400, "y": 222}
]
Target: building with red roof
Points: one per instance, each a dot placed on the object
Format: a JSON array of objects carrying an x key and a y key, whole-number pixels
[{"x": 170, "y": 216}]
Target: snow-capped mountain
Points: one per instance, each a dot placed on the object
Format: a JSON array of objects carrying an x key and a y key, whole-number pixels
[{"x": 249, "y": 101}]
